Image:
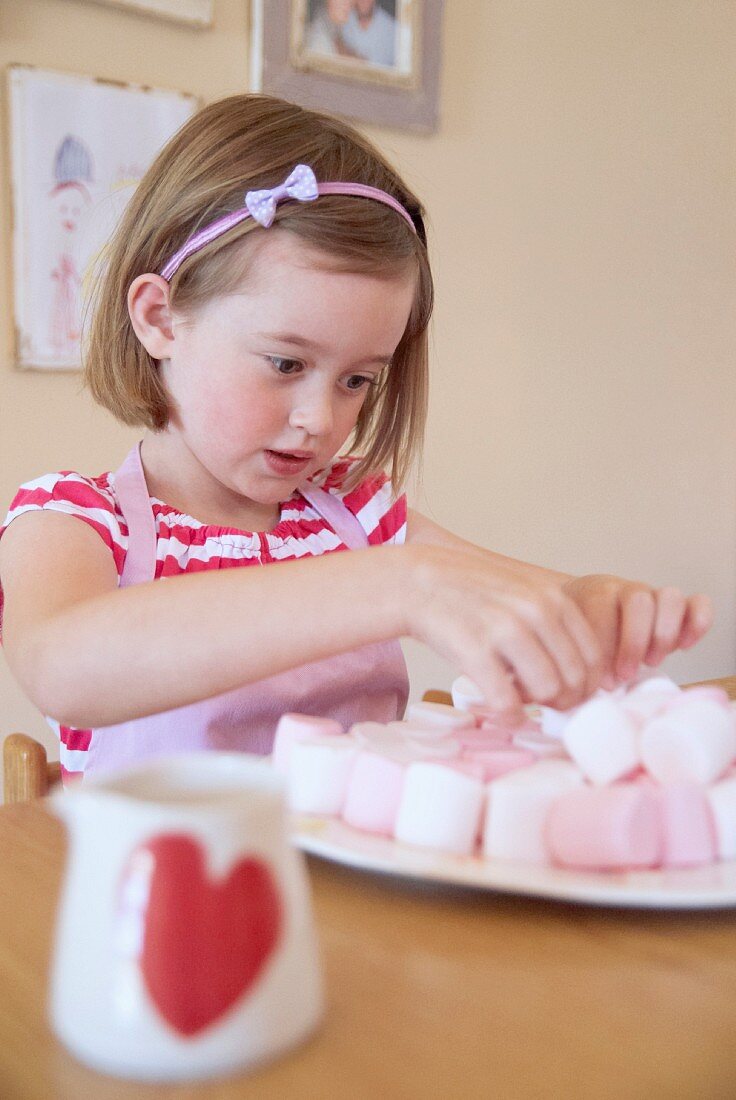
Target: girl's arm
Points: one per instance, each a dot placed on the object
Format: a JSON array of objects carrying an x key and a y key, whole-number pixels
[
  {"x": 633, "y": 622},
  {"x": 90, "y": 654}
]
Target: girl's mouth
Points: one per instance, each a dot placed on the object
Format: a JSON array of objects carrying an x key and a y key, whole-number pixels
[{"x": 284, "y": 464}]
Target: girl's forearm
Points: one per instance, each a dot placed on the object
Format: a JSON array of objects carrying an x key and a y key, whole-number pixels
[{"x": 168, "y": 643}]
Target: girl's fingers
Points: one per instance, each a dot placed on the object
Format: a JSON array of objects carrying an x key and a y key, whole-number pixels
[
  {"x": 603, "y": 615},
  {"x": 638, "y": 613},
  {"x": 534, "y": 670},
  {"x": 671, "y": 609},
  {"x": 699, "y": 617},
  {"x": 499, "y": 688},
  {"x": 587, "y": 642}
]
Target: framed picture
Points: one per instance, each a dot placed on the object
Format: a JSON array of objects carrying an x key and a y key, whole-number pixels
[
  {"x": 198, "y": 13},
  {"x": 377, "y": 61},
  {"x": 79, "y": 146}
]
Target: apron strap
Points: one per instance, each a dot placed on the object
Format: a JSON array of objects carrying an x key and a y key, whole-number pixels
[
  {"x": 337, "y": 514},
  {"x": 132, "y": 492}
]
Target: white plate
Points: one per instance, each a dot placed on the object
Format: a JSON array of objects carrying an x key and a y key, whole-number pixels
[{"x": 712, "y": 887}]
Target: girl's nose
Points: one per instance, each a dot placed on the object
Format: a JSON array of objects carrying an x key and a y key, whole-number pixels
[{"x": 314, "y": 415}]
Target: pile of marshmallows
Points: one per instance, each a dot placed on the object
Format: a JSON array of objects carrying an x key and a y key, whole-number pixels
[{"x": 633, "y": 779}]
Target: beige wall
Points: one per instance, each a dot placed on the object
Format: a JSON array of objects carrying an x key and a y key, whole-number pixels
[{"x": 582, "y": 208}]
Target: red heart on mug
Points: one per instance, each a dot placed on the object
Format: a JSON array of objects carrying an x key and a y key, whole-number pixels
[{"x": 205, "y": 942}]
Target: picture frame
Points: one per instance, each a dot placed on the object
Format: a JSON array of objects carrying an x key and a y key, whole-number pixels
[
  {"x": 78, "y": 147},
  {"x": 195, "y": 13},
  {"x": 376, "y": 62}
]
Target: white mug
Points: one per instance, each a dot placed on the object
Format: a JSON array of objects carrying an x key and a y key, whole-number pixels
[{"x": 185, "y": 945}]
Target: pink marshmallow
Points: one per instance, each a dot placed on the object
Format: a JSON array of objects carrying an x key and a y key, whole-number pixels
[
  {"x": 694, "y": 742},
  {"x": 298, "y": 727},
  {"x": 440, "y": 808},
  {"x": 374, "y": 793},
  {"x": 539, "y": 744},
  {"x": 705, "y": 691},
  {"x": 605, "y": 828},
  {"x": 498, "y": 762},
  {"x": 688, "y": 829},
  {"x": 420, "y": 731}
]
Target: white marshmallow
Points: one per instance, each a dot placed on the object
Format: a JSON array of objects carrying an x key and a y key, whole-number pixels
[
  {"x": 650, "y": 698},
  {"x": 440, "y": 714},
  {"x": 602, "y": 740},
  {"x": 693, "y": 742},
  {"x": 552, "y": 722},
  {"x": 466, "y": 694},
  {"x": 318, "y": 774},
  {"x": 517, "y": 809},
  {"x": 440, "y": 808},
  {"x": 722, "y": 799},
  {"x": 446, "y": 749},
  {"x": 298, "y": 727}
]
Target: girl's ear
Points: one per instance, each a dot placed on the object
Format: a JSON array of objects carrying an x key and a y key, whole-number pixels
[{"x": 150, "y": 314}]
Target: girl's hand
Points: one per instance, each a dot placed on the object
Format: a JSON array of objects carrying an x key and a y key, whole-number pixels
[
  {"x": 635, "y": 623},
  {"x": 519, "y": 636}
]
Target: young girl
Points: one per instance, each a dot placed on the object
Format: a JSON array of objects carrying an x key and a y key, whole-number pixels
[{"x": 264, "y": 310}]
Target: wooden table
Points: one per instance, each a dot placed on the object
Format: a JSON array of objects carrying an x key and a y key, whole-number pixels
[{"x": 431, "y": 993}]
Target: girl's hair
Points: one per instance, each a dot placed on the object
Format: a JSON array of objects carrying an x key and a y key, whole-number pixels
[{"x": 244, "y": 143}]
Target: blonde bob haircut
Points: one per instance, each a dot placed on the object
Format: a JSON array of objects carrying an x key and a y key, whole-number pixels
[{"x": 243, "y": 143}]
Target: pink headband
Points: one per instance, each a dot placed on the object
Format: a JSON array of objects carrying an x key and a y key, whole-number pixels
[{"x": 261, "y": 206}]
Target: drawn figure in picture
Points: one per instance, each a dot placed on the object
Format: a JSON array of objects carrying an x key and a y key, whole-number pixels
[
  {"x": 69, "y": 197},
  {"x": 361, "y": 29}
]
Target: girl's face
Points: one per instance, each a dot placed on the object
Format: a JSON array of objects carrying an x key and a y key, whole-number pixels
[{"x": 267, "y": 383}]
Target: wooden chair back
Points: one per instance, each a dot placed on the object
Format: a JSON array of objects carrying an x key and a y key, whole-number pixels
[{"x": 27, "y": 771}]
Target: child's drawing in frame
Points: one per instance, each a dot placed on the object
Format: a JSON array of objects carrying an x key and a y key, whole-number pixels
[{"x": 79, "y": 147}]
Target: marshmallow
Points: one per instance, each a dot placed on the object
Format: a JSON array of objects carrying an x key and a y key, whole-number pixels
[
  {"x": 298, "y": 727},
  {"x": 374, "y": 793},
  {"x": 418, "y": 731},
  {"x": 518, "y": 804},
  {"x": 688, "y": 829},
  {"x": 500, "y": 761},
  {"x": 319, "y": 774},
  {"x": 446, "y": 749},
  {"x": 650, "y": 698},
  {"x": 708, "y": 691},
  {"x": 552, "y": 722},
  {"x": 466, "y": 693},
  {"x": 722, "y": 801},
  {"x": 538, "y": 743},
  {"x": 440, "y": 808},
  {"x": 440, "y": 714},
  {"x": 605, "y": 828},
  {"x": 602, "y": 740},
  {"x": 692, "y": 743}
]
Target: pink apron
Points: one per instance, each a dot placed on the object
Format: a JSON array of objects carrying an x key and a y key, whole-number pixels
[{"x": 369, "y": 683}]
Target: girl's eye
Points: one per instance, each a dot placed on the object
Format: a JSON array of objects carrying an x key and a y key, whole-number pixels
[
  {"x": 359, "y": 381},
  {"x": 285, "y": 366}
]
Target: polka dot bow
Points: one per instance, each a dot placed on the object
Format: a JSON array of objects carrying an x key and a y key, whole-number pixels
[{"x": 300, "y": 185}]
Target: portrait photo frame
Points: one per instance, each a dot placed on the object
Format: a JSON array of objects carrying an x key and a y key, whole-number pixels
[
  {"x": 78, "y": 148},
  {"x": 383, "y": 70}
]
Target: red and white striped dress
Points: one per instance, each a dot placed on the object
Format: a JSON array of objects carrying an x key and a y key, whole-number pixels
[{"x": 184, "y": 545}]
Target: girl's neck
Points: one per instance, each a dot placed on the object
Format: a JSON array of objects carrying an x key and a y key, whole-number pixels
[{"x": 175, "y": 476}]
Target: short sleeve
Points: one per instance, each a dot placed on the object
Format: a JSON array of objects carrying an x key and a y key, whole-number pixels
[
  {"x": 89, "y": 499},
  {"x": 379, "y": 510}
]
